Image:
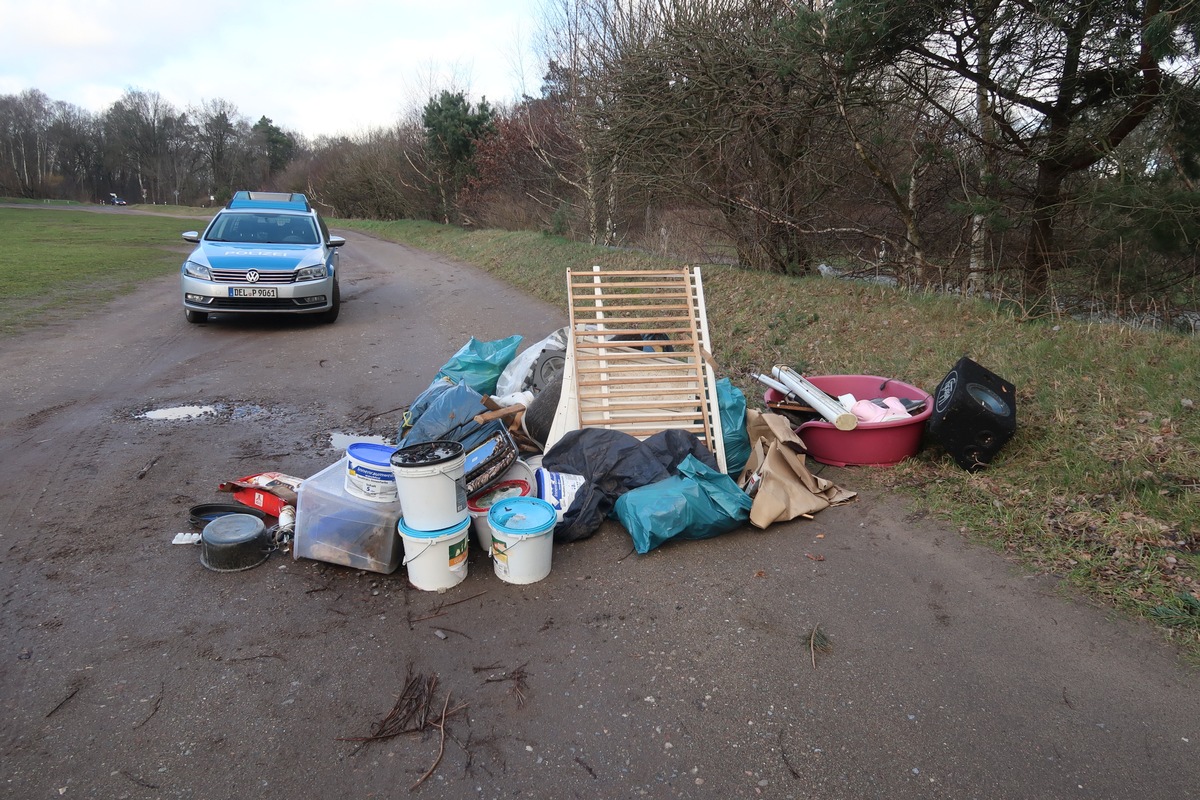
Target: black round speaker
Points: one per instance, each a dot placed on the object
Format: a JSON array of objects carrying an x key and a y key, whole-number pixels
[{"x": 974, "y": 414}]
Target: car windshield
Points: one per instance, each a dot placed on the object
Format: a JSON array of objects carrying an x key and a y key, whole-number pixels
[{"x": 264, "y": 228}]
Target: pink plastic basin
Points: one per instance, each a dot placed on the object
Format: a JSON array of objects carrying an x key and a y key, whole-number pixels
[{"x": 871, "y": 444}]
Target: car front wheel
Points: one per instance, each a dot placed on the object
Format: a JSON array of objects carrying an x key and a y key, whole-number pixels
[
  {"x": 195, "y": 317},
  {"x": 331, "y": 314}
]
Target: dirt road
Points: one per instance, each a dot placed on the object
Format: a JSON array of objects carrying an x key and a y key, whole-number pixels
[{"x": 129, "y": 670}]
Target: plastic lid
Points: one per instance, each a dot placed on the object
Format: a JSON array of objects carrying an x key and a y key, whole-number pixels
[
  {"x": 372, "y": 453},
  {"x": 415, "y": 534},
  {"x": 426, "y": 454},
  {"x": 206, "y": 512},
  {"x": 522, "y": 516},
  {"x": 505, "y": 489},
  {"x": 234, "y": 529}
]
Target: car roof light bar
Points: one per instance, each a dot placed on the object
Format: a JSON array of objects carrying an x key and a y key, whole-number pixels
[{"x": 292, "y": 201}]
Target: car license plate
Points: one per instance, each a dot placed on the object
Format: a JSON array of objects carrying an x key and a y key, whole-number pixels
[{"x": 253, "y": 291}]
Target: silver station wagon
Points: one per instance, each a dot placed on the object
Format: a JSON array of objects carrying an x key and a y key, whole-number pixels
[{"x": 264, "y": 253}]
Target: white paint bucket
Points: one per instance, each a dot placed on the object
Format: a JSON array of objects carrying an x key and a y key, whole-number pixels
[
  {"x": 522, "y": 538},
  {"x": 558, "y": 488},
  {"x": 436, "y": 560},
  {"x": 429, "y": 483},
  {"x": 521, "y": 471},
  {"x": 479, "y": 504},
  {"x": 369, "y": 472}
]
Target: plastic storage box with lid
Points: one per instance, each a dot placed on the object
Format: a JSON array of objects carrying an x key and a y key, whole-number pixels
[{"x": 334, "y": 526}]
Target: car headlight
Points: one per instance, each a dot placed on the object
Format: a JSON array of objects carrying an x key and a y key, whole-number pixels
[
  {"x": 194, "y": 270},
  {"x": 311, "y": 273}
]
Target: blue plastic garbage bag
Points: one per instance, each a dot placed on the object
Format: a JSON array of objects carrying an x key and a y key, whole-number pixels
[
  {"x": 443, "y": 411},
  {"x": 423, "y": 401},
  {"x": 732, "y": 403},
  {"x": 698, "y": 503},
  {"x": 479, "y": 364}
]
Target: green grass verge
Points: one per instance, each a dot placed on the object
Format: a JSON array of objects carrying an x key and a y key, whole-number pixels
[
  {"x": 1101, "y": 485},
  {"x": 58, "y": 263}
]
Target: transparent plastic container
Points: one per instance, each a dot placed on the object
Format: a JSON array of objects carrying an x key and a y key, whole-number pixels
[{"x": 334, "y": 526}]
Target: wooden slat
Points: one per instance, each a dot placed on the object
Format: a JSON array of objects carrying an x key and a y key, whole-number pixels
[
  {"x": 659, "y": 391},
  {"x": 689, "y": 412},
  {"x": 642, "y": 332},
  {"x": 640, "y": 295},
  {"x": 658, "y": 321},
  {"x": 652, "y": 358},
  {"x": 597, "y": 399},
  {"x": 589, "y": 370},
  {"x": 657, "y": 306}
]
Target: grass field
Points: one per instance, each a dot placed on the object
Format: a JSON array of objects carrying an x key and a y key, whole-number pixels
[
  {"x": 1101, "y": 485},
  {"x": 57, "y": 263}
]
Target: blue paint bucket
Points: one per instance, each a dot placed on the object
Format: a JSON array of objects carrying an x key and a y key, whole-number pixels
[
  {"x": 522, "y": 538},
  {"x": 369, "y": 472}
]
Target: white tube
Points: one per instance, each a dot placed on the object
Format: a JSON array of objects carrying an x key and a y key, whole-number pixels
[{"x": 833, "y": 412}]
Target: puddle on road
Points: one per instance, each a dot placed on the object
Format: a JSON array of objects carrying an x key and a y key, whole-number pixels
[
  {"x": 340, "y": 441},
  {"x": 225, "y": 410},
  {"x": 262, "y": 415},
  {"x": 178, "y": 412},
  {"x": 246, "y": 411}
]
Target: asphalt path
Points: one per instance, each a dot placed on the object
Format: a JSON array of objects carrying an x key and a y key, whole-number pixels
[{"x": 130, "y": 670}]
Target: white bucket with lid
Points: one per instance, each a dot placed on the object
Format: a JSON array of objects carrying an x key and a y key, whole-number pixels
[
  {"x": 369, "y": 472},
  {"x": 522, "y": 538},
  {"x": 479, "y": 504},
  {"x": 436, "y": 560},
  {"x": 430, "y": 485},
  {"x": 558, "y": 488}
]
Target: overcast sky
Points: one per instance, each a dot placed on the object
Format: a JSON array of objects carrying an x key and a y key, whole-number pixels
[{"x": 317, "y": 68}]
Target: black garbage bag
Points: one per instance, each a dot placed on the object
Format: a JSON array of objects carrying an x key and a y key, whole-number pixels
[{"x": 612, "y": 463}]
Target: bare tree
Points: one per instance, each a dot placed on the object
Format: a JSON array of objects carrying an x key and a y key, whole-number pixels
[
  {"x": 565, "y": 129},
  {"x": 27, "y": 150},
  {"x": 223, "y": 137},
  {"x": 78, "y": 136},
  {"x": 709, "y": 103}
]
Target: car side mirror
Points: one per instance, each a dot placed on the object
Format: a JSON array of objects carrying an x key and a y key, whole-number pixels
[
  {"x": 336, "y": 241},
  {"x": 191, "y": 236}
]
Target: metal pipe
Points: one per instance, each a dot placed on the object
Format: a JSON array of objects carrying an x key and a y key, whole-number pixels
[{"x": 771, "y": 383}]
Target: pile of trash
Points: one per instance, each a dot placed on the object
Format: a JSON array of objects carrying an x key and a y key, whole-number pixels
[
  {"x": 491, "y": 404},
  {"x": 619, "y": 416}
]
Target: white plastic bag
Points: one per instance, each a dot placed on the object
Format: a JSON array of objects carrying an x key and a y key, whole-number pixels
[{"x": 515, "y": 376}]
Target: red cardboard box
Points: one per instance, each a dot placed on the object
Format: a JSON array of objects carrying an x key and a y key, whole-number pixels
[{"x": 267, "y": 491}]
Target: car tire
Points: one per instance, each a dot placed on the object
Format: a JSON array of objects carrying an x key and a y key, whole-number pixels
[
  {"x": 195, "y": 317},
  {"x": 331, "y": 315}
]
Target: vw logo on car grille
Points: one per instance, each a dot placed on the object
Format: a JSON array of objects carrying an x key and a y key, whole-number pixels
[{"x": 252, "y": 276}]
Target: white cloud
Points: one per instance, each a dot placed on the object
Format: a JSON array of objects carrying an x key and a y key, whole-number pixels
[{"x": 314, "y": 67}]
